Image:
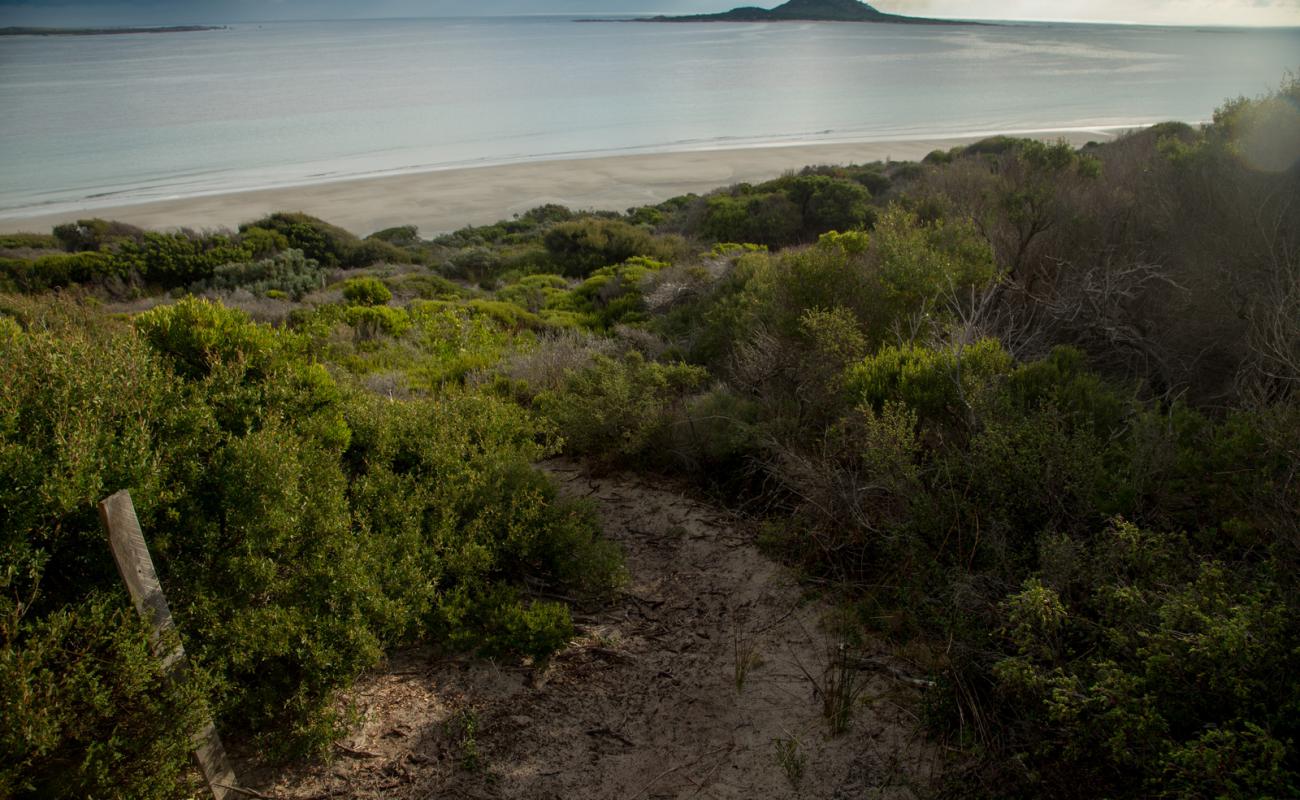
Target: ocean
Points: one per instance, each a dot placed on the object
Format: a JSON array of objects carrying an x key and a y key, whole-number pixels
[{"x": 107, "y": 120}]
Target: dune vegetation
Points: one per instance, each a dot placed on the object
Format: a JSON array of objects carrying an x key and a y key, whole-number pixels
[{"x": 1031, "y": 413}]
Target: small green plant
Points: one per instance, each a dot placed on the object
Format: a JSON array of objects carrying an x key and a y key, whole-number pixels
[
  {"x": 463, "y": 727},
  {"x": 792, "y": 759},
  {"x": 838, "y": 686},
  {"x": 745, "y": 657},
  {"x": 839, "y": 689}
]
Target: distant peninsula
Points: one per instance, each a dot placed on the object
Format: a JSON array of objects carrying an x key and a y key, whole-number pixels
[
  {"x": 807, "y": 11},
  {"x": 12, "y": 31}
]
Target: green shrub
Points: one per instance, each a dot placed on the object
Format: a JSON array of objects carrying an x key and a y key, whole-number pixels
[
  {"x": 453, "y": 342},
  {"x": 1151, "y": 670},
  {"x": 769, "y": 219},
  {"x": 263, "y": 243},
  {"x": 46, "y": 273},
  {"x": 430, "y": 287},
  {"x": 318, "y": 240},
  {"x": 898, "y": 277},
  {"x": 476, "y": 264},
  {"x": 942, "y": 386},
  {"x": 179, "y": 259},
  {"x": 506, "y": 315},
  {"x": 448, "y": 491},
  {"x": 80, "y": 413},
  {"x": 198, "y": 338},
  {"x": 826, "y": 203},
  {"x": 993, "y": 145},
  {"x": 917, "y": 264},
  {"x": 375, "y": 251},
  {"x": 792, "y": 209},
  {"x": 371, "y": 322},
  {"x": 101, "y": 252},
  {"x": 29, "y": 241},
  {"x": 501, "y": 624},
  {"x": 402, "y": 520},
  {"x": 95, "y": 234},
  {"x": 533, "y": 292},
  {"x": 400, "y": 236},
  {"x": 366, "y": 292},
  {"x": 582, "y": 246},
  {"x": 851, "y": 242},
  {"x": 547, "y": 214},
  {"x": 610, "y": 296},
  {"x": 1031, "y": 474},
  {"x": 715, "y": 434},
  {"x": 1063, "y": 380},
  {"x": 289, "y": 273},
  {"x": 88, "y": 712},
  {"x": 616, "y": 409}
]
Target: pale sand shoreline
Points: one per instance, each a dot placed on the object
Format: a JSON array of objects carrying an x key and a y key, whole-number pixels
[{"x": 445, "y": 200}]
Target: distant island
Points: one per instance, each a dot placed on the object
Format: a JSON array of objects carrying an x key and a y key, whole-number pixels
[
  {"x": 14, "y": 31},
  {"x": 806, "y": 11}
]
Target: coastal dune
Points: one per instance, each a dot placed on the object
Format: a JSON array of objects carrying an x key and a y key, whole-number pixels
[{"x": 444, "y": 200}]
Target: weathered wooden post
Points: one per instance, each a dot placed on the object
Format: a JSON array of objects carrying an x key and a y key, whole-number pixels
[{"x": 133, "y": 561}]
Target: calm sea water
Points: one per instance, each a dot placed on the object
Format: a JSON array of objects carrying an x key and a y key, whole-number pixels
[{"x": 115, "y": 119}]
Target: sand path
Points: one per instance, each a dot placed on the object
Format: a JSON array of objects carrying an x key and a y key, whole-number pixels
[{"x": 650, "y": 701}]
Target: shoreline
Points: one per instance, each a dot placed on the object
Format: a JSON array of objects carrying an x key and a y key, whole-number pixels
[
  {"x": 19, "y": 30},
  {"x": 443, "y": 200}
]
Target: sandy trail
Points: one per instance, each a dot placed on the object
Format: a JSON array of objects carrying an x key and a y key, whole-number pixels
[{"x": 647, "y": 702}]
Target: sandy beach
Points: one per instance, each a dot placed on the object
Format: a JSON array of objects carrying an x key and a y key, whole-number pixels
[{"x": 444, "y": 200}]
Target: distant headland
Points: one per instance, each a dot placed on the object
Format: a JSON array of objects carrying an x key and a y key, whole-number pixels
[
  {"x": 807, "y": 11},
  {"x": 13, "y": 31}
]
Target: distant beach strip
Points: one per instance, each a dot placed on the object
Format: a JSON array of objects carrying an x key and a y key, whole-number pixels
[
  {"x": 444, "y": 200},
  {"x": 18, "y": 31}
]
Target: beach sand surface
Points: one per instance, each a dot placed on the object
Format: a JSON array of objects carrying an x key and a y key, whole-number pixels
[{"x": 445, "y": 200}]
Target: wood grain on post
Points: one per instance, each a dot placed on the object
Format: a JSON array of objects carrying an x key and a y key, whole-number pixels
[{"x": 132, "y": 556}]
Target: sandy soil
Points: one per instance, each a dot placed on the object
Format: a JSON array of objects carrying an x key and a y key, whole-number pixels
[
  {"x": 445, "y": 200},
  {"x": 704, "y": 681}
]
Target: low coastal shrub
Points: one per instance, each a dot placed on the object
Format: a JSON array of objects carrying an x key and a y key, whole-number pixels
[
  {"x": 403, "y": 521},
  {"x": 789, "y": 210},
  {"x": 95, "y": 234},
  {"x": 366, "y": 292},
  {"x": 580, "y": 247},
  {"x": 534, "y": 292},
  {"x": 29, "y": 241},
  {"x": 49, "y": 272},
  {"x": 178, "y": 259},
  {"x": 318, "y": 240},
  {"x": 88, "y": 712},
  {"x": 290, "y": 273},
  {"x": 610, "y": 296},
  {"x": 617, "y": 409}
]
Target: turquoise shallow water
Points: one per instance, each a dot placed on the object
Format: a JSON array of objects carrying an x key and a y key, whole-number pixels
[{"x": 117, "y": 119}]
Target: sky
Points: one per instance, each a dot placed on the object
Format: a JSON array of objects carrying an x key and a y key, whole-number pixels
[{"x": 162, "y": 12}]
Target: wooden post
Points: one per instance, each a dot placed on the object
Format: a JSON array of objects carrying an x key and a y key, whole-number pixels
[{"x": 133, "y": 561}]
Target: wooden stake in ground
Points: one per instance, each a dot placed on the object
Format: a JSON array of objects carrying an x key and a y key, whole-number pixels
[{"x": 133, "y": 561}]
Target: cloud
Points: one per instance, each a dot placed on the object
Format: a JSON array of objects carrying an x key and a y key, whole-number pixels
[{"x": 1160, "y": 12}]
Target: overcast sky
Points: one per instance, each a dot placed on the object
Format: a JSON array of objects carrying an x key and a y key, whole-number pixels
[{"x": 138, "y": 12}]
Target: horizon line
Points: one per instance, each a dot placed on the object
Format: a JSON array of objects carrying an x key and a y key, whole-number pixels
[{"x": 618, "y": 16}]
